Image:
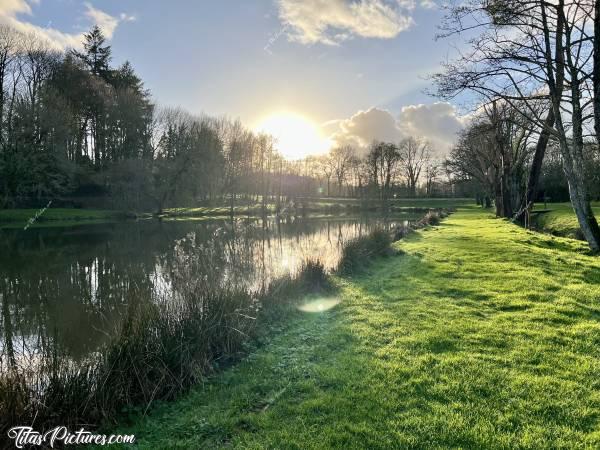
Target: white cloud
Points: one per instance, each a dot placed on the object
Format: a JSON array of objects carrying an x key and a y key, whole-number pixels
[
  {"x": 438, "y": 123},
  {"x": 107, "y": 23},
  {"x": 333, "y": 21},
  {"x": 15, "y": 6},
  {"x": 363, "y": 128},
  {"x": 428, "y": 4},
  {"x": 12, "y": 12},
  {"x": 127, "y": 17}
]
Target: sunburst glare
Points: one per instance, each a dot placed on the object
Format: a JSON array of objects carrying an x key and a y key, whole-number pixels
[{"x": 296, "y": 136}]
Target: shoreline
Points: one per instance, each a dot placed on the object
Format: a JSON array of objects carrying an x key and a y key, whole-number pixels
[{"x": 445, "y": 344}]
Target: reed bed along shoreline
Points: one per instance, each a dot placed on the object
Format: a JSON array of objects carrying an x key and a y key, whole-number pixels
[{"x": 165, "y": 346}]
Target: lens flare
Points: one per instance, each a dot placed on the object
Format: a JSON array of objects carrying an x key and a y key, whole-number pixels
[{"x": 319, "y": 305}]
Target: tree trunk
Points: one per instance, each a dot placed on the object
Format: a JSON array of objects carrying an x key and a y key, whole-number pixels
[
  {"x": 583, "y": 210},
  {"x": 596, "y": 74},
  {"x": 578, "y": 189},
  {"x": 498, "y": 198},
  {"x": 571, "y": 149},
  {"x": 536, "y": 169},
  {"x": 505, "y": 183}
]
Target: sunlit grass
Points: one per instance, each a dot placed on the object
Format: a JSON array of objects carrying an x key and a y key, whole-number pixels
[
  {"x": 481, "y": 335},
  {"x": 561, "y": 219}
]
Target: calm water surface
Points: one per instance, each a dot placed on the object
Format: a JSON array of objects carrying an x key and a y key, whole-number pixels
[{"x": 67, "y": 288}]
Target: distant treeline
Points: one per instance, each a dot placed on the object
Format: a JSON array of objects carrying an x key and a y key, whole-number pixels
[{"x": 80, "y": 132}]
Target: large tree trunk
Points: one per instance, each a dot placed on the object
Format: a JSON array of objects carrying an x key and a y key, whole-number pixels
[
  {"x": 596, "y": 74},
  {"x": 506, "y": 184},
  {"x": 571, "y": 149},
  {"x": 581, "y": 205},
  {"x": 498, "y": 198},
  {"x": 536, "y": 169},
  {"x": 578, "y": 189}
]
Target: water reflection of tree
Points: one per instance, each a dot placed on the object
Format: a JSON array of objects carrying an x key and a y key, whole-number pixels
[
  {"x": 68, "y": 287},
  {"x": 70, "y": 283}
]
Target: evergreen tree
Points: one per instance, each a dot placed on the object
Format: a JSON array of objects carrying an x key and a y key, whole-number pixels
[{"x": 96, "y": 55}]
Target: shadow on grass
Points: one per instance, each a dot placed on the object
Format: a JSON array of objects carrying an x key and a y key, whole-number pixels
[
  {"x": 591, "y": 276},
  {"x": 561, "y": 244},
  {"x": 415, "y": 357}
]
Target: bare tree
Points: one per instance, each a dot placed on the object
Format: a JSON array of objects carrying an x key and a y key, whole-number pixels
[
  {"x": 10, "y": 43},
  {"x": 414, "y": 154},
  {"x": 382, "y": 162},
  {"x": 327, "y": 169},
  {"x": 432, "y": 172},
  {"x": 474, "y": 158},
  {"x": 341, "y": 158},
  {"x": 532, "y": 50}
]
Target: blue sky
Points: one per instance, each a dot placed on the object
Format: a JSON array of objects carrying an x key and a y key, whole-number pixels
[{"x": 324, "y": 59}]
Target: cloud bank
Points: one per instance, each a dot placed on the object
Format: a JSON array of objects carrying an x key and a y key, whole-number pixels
[
  {"x": 12, "y": 12},
  {"x": 438, "y": 123},
  {"x": 333, "y": 21}
]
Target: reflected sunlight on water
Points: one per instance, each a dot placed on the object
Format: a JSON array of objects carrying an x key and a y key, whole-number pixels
[{"x": 70, "y": 287}]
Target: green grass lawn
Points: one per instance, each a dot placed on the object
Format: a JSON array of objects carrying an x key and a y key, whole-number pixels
[
  {"x": 481, "y": 335},
  {"x": 419, "y": 202},
  {"x": 15, "y": 218},
  {"x": 318, "y": 204},
  {"x": 561, "y": 220}
]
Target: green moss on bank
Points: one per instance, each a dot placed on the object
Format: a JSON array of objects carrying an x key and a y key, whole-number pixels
[{"x": 481, "y": 335}]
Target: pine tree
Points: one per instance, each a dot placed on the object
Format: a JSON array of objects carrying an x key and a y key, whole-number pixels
[{"x": 96, "y": 55}]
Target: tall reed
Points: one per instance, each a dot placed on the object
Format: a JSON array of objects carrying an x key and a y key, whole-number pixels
[
  {"x": 160, "y": 349},
  {"x": 357, "y": 252}
]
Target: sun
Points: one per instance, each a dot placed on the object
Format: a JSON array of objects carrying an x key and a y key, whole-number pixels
[{"x": 295, "y": 136}]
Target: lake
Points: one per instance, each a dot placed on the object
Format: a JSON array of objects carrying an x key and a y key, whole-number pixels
[{"x": 65, "y": 289}]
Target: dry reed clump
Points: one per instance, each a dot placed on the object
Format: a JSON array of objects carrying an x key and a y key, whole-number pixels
[
  {"x": 162, "y": 347},
  {"x": 357, "y": 252}
]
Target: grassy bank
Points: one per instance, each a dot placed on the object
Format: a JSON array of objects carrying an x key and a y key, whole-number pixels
[
  {"x": 479, "y": 334},
  {"x": 164, "y": 345},
  {"x": 55, "y": 216},
  {"x": 322, "y": 206},
  {"x": 18, "y": 218},
  {"x": 560, "y": 220}
]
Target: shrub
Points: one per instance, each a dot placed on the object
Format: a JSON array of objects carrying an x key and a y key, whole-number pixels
[
  {"x": 161, "y": 349},
  {"x": 431, "y": 218}
]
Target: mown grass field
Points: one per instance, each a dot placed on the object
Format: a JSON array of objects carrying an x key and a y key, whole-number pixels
[
  {"x": 480, "y": 335},
  {"x": 561, "y": 220}
]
